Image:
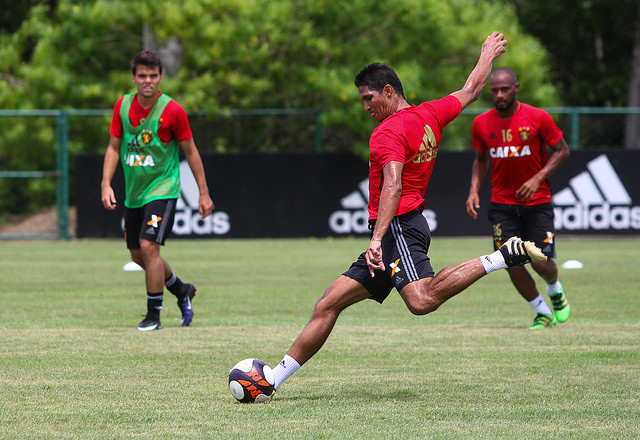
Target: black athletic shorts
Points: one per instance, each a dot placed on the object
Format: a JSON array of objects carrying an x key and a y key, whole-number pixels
[
  {"x": 404, "y": 253},
  {"x": 533, "y": 223},
  {"x": 152, "y": 222}
]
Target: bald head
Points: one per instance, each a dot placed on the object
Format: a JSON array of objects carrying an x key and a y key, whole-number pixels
[
  {"x": 504, "y": 90},
  {"x": 505, "y": 73}
]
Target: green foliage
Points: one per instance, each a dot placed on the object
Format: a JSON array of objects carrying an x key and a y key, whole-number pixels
[
  {"x": 253, "y": 54},
  {"x": 258, "y": 54},
  {"x": 591, "y": 42}
]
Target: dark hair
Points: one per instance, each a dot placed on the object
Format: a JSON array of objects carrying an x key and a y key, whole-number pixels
[
  {"x": 376, "y": 76},
  {"x": 146, "y": 58}
]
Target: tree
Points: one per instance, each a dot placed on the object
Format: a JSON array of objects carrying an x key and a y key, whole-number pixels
[
  {"x": 632, "y": 131},
  {"x": 591, "y": 45},
  {"x": 250, "y": 54}
]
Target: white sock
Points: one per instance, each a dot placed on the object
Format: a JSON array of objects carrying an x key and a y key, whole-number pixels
[
  {"x": 554, "y": 288},
  {"x": 540, "y": 306},
  {"x": 493, "y": 262},
  {"x": 285, "y": 369}
]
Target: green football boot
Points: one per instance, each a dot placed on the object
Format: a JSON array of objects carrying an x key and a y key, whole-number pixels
[
  {"x": 561, "y": 307},
  {"x": 543, "y": 321}
]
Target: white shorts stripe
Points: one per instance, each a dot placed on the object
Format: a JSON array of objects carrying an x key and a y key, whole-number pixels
[{"x": 403, "y": 250}]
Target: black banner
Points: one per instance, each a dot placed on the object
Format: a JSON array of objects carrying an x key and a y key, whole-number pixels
[{"x": 302, "y": 195}]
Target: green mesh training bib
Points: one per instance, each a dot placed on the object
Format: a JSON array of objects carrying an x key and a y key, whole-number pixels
[{"x": 151, "y": 167}]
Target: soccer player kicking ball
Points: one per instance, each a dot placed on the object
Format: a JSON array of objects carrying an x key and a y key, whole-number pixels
[{"x": 403, "y": 151}]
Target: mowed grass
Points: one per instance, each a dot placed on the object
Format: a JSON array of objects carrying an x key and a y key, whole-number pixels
[{"x": 72, "y": 365}]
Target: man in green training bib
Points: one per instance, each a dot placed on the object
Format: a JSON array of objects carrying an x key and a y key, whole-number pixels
[{"x": 146, "y": 129}]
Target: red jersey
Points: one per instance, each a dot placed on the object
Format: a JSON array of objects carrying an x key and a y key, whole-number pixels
[
  {"x": 410, "y": 136},
  {"x": 173, "y": 122},
  {"x": 517, "y": 149}
]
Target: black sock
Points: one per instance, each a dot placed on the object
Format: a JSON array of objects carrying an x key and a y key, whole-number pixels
[
  {"x": 154, "y": 305},
  {"x": 175, "y": 285}
]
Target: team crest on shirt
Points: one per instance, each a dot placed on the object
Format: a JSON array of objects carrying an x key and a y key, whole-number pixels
[
  {"x": 146, "y": 136},
  {"x": 524, "y": 133}
]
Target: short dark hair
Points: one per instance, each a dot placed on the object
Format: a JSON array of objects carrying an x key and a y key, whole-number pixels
[
  {"x": 376, "y": 76},
  {"x": 146, "y": 58}
]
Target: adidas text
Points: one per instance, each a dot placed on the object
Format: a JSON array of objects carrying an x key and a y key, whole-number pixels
[
  {"x": 599, "y": 217},
  {"x": 346, "y": 222},
  {"x": 596, "y": 199},
  {"x": 189, "y": 222}
]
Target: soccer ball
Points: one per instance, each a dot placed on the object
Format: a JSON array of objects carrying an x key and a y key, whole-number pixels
[{"x": 251, "y": 381}]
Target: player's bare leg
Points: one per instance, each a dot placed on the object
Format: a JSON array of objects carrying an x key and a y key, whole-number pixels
[
  {"x": 549, "y": 272},
  {"x": 426, "y": 295},
  {"x": 526, "y": 287},
  {"x": 154, "y": 268},
  {"x": 421, "y": 297},
  {"x": 136, "y": 257},
  {"x": 153, "y": 265},
  {"x": 184, "y": 292},
  {"x": 342, "y": 293},
  {"x": 523, "y": 282}
]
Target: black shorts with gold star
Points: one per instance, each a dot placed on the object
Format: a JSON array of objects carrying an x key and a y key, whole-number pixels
[
  {"x": 533, "y": 223},
  {"x": 404, "y": 253},
  {"x": 152, "y": 222}
]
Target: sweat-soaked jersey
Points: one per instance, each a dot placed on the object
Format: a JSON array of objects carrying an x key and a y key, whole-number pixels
[{"x": 411, "y": 136}]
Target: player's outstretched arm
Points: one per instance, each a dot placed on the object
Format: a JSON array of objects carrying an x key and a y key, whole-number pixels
[{"x": 492, "y": 48}]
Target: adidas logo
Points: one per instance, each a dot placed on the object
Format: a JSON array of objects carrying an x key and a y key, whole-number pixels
[
  {"x": 187, "y": 219},
  {"x": 354, "y": 217},
  {"x": 595, "y": 199}
]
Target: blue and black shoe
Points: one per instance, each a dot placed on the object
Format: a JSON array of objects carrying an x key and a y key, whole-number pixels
[{"x": 185, "y": 304}]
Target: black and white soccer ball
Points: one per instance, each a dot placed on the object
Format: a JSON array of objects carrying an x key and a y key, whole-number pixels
[{"x": 251, "y": 381}]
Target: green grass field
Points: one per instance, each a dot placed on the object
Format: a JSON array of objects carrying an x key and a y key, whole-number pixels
[{"x": 72, "y": 365}]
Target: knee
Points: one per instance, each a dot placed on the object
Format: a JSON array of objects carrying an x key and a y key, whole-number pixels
[
  {"x": 145, "y": 246},
  {"x": 422, "y": 304},
  {"x": 136, "y": 257},
  {"x": 322, "y": 305},
  {"x": 149, "y": 249},
  {"x": 325, "y": 305},
  {"x": 547, "y": 270}
]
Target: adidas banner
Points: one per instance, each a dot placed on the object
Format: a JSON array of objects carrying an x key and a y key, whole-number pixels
[{"x": 322, "y": 195}]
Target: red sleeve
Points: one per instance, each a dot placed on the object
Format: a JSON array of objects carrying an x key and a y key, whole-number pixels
[
  {"x": 477, "y": 138},
  {"x": 179, "y": 124},
  {"x": 449, "y": 109},
  {"x": 387, "y": 145},
  {"x": 115, "y": 129},
  {"x": 549, "y": 130}
]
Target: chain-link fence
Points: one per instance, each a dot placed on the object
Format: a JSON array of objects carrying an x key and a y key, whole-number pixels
[{"x": 37, "y": 147}]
